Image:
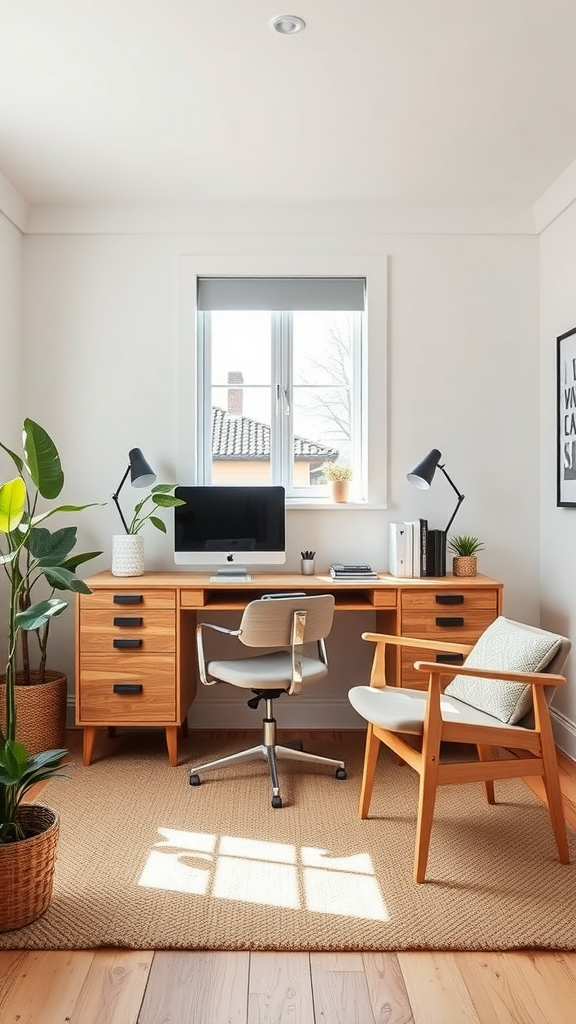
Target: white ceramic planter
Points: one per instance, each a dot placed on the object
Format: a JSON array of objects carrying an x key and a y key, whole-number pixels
[{"x": 127, "y": 554}]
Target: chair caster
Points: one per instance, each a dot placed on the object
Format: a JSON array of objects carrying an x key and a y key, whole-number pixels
[
  {"x": 276, "y": 801},
  {"x": 195, "y": 780},
  {"x": 340, "y": 773}
]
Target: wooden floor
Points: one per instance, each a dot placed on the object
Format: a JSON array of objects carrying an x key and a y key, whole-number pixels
[{"x": 125, "y": 987}]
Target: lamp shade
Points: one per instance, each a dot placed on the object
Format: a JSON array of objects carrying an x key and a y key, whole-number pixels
[
  {"x": 141, "y": 473},
  {"x": 423, "y": 474}
]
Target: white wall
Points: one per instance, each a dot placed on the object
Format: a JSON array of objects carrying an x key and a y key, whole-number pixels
[
  {"x": 101, "y": 363},
  {"x": 557, "y": 525},
  {"x": 10, "y": 331},
  {"x": 10, "y": 348}
]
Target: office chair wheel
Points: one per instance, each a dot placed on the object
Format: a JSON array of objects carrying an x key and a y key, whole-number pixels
[
  {"x": 276, "y": 801},
  {"x": 340, "y": 773},
  {"x": 195, "y": 780}
]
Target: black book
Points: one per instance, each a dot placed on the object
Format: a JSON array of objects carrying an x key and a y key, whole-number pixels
[{"x": 436, "y": 560}]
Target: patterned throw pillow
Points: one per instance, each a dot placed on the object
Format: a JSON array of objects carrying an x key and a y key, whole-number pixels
[{"x": 511, "y": 647}]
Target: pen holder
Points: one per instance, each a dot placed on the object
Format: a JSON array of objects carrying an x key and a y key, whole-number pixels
[{"x": 307, "y": 566}]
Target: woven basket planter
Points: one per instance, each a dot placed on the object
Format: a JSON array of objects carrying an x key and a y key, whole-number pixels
[
  {"x": 464, "y": 565},
  {"x": 40, "y": 711},
  {"x": 27, "y": 867}
]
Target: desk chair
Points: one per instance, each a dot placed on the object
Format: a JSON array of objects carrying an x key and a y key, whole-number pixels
[
  {"x": 280, "y": 622},
  {"x": 499, "y": 699}
]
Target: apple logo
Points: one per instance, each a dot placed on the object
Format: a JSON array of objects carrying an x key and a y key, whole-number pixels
[{"x": 230, "y": 558}]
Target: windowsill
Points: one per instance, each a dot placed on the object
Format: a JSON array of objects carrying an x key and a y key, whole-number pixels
[{"x": 331, "y": 506}]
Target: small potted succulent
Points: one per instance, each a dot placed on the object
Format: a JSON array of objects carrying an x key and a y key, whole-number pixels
[
  {"x": 465, "y": 548},
  {"x": 338, "y": 475}
]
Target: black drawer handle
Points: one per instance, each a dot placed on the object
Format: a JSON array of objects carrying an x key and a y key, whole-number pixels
[
  {"x": 449, "y": 598},
  {"x": 123, "y": 644},
  {"x": 450, "y": 659},
  {"x": 127, "y": 688},
  {"x": 128, "y": 598},
  {"x": 447, "y": 620},
  {"x": 125, "y": 620}
]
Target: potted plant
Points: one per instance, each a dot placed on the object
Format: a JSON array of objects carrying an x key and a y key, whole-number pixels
[
  {"x": 41, "y": 693},
  {"x": 339, "y": 475},
  {"x": 128, "y": 548},
  {"x": 29, "y": 554},
  {"x": 464, "y": 547}
]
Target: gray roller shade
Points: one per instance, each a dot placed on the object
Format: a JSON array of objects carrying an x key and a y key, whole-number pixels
[{"x": 281, "y": 293}]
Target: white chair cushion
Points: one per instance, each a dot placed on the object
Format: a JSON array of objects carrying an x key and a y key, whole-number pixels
[
  {"x": 265, "y": 671},
  {"x": 512, "y": 647},
  {"x": 402, "y": 710}
]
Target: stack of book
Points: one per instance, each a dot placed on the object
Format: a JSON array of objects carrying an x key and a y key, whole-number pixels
[
  {"x": 339, "y": 571},
  {"x": 414, "y": 550}
]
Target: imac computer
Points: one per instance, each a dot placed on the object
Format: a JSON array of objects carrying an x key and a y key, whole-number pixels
[{"x": 230, "y": 528}]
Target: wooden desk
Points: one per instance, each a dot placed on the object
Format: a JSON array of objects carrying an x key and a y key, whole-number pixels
[{"x": 135, "y": 636}]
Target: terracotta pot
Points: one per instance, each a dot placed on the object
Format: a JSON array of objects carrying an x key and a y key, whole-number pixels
[
  {"x": 40, "y": 711},
  {"x": 340, "y": 490},
  {"x": 464, "y": 565},
  {"x": 27, "y": 867}
]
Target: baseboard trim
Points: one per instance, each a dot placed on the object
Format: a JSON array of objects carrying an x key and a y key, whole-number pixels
[{"x": 564, "y": 733}]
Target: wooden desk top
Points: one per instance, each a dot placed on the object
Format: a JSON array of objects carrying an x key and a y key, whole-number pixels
[{"x": 183, "y": 580}]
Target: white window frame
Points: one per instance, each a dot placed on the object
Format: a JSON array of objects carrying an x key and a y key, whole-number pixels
[{"x": 373, "y": 414}]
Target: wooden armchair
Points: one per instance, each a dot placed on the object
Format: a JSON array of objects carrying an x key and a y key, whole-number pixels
[{"x": 510, "y": 744}]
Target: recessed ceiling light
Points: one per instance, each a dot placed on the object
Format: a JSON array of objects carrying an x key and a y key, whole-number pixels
[{"x": 287, "y": 24}]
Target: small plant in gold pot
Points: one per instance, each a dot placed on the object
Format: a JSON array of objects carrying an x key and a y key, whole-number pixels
[
  {"x": 338, "y": 475},
  {"x": 465, "y": 548}
]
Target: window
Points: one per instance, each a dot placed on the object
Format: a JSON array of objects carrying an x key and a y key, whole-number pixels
[{"x": 281, "y": 370}]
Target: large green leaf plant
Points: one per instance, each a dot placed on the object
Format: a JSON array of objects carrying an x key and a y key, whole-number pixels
[{"x": 30, "y": 554}]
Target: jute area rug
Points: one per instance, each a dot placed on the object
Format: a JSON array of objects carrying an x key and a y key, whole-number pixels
[{"x": 148, "y": 862}]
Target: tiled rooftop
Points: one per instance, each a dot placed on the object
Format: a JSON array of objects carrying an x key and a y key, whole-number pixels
[{"x": 238, "y": 437}]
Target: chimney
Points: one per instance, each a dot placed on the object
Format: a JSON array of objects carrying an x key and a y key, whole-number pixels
[{"x": 235, "y": 395}]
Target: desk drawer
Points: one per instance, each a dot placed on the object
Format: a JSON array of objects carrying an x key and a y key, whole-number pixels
[
  {"x": 453, "y": 601},
  {"x": 127, "y": 688},
  {"x": 150, "y": 630},
  {"x": 419, "y": 680},
  {"x": 128, "y": 600},
  {"x": 460, "y": 626}
]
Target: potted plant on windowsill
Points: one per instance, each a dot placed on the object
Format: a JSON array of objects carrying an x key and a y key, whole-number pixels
[
  {"x": 30, "y": 554},
  {"x": 338, "y": 475},
  {"x": 128, "y": 547},
  {"x": 465, "y": 548}
]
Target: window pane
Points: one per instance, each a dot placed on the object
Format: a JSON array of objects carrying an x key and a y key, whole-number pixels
[
  {"x": 240, "y": 397},
  {"x": 322, "y": 393}
]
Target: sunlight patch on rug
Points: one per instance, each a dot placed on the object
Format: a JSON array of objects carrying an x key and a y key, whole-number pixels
[{"x": 265, "y": 873}]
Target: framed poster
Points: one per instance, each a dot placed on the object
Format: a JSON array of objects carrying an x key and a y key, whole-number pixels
[{"x": 566, "y": 419}]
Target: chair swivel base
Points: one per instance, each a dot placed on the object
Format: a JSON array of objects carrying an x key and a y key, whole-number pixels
[{"x": 270, "y": 752}]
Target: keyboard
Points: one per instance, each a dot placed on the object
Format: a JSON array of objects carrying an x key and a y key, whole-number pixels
[{"x": 231, "y": 579}]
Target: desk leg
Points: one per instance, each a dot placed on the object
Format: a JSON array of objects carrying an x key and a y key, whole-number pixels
[
  {"x": 89, "y": 735},
  {"x": 172, "y": 744}
]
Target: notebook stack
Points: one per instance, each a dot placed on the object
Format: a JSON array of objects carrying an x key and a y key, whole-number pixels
[{"x": 339, "y": 571}]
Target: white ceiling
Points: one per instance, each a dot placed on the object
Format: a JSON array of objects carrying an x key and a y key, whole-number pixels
[{"x": 404, "y": 103}]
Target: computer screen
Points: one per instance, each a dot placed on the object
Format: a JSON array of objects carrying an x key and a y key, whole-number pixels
[{"x": 229, "y": 527}]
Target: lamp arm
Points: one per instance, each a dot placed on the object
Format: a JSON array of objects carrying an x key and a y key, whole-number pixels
[
  {"x": 460, "y": 497},
  {"x": 115, "y": 498}
]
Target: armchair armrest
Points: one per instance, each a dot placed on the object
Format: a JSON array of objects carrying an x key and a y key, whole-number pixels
[
  {"x": 536, "y": 678},
  {"x": 378, "y": 674}
]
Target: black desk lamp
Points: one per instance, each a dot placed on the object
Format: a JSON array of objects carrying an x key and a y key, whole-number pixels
[
  {"x": 422, "y": 477},
  {"x": 141, "y": 475}
]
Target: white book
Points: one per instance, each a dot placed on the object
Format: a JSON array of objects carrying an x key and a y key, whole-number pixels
[
  {"x": 416, "y": 556},
  {"x": 409, "y": 546},
  {"x": 397, "y": 549}
]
